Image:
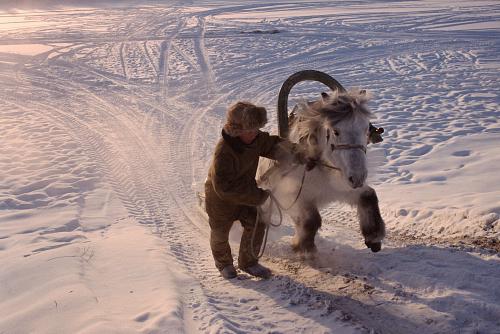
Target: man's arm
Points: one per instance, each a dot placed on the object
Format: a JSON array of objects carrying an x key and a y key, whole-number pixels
[{"x": 233, "y": 188}]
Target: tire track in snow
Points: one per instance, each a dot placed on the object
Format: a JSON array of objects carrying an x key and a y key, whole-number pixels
[
  {"x": 191, "y": 126},
  {"x": 148, "y": 55},
  {"x": 109, "y": 158},
  {"x": 185, "y": 56},
  {"x": 120, "y": 128},
  {"x": 119, "y": 110},
  {"x": 134, "y": 173},
  {"x": 201, "y": 51},
  {"x": 177, "y": 238},
  {"x": 165, "y": 49},
  {"x": 156, "y": 107},
  {"x": 122, "y": 61}
]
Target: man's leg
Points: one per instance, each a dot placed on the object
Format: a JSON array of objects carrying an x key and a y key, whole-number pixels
[
  {"x": 247, "y": 218},
  {"x": 219, "y": 242}
]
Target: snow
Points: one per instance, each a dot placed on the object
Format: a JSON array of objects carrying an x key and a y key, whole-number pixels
[
  {"x": 108, "y": 117},
  {"x": 25, "y": 49},
  {"x": 448, "y": 191}
]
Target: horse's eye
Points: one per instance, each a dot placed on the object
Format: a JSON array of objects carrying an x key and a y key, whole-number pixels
[{"x": 336, "y": 133}]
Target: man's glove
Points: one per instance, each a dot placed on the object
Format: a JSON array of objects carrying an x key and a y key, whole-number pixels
[
  {"x": 311, "y": 163},
  {"x": 264, "y": 196},
  {"x": 301, "y": 158}
]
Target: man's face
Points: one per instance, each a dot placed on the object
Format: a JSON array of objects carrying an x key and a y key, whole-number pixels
[{"x": 248, "y": 136}]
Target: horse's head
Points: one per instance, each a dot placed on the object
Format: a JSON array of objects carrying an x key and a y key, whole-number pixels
[{"x": 335, "y": 130}]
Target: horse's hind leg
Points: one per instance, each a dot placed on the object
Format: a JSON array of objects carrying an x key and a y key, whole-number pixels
[
  {"x": 307, "y": 223},
  {"x": 372, "y": 224}
]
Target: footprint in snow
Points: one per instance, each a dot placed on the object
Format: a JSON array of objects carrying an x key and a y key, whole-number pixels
[{"x": 464, "y": 153}]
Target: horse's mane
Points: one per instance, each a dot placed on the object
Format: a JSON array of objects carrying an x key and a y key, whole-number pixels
[{"x": 332, "y": 108}]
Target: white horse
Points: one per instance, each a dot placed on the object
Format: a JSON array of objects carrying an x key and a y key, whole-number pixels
[{"x": 333, "y": 131}]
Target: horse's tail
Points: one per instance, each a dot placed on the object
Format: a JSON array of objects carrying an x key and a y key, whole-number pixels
[{"x": 287, "y": 86}]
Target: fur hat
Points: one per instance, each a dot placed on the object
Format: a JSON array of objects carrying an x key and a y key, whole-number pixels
[{"x": 243, "y": 116}]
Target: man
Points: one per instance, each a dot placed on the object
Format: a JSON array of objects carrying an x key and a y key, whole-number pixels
[{"x": 231, "y": 190}]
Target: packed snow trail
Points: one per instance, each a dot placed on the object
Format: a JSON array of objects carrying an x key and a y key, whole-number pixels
[{"x": 144, "y": 94}]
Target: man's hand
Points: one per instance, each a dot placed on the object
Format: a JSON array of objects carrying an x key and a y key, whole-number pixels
[
  {"x": 302, "y": 159},
  {"x": 264, "y": 196},
  {"x": 311, "y": 163}
]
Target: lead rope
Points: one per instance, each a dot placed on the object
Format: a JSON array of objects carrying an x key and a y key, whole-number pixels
[
  {"x": 274, "y": 202},
  {"x": 280, "y": 207}
]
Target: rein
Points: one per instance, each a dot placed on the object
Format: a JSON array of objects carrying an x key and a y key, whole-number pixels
[
  {"x": 274, "y": 202},
  {"x": 325, "y": 164}
]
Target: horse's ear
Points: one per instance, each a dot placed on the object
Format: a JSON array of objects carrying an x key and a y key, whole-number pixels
[
  {"x": 362, "y": 92},
  {"x": 324, "y": 96}
]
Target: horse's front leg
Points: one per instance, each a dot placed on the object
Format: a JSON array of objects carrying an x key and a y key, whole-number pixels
[
  {"x": 307, "y": 223},
  {"x": 370, "y": 220}
]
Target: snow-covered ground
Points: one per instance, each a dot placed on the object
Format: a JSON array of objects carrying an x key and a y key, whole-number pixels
[{"x": 108, "y": 118}]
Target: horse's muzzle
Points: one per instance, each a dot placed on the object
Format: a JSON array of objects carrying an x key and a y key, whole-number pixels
[{"x": 356, "y": 182}]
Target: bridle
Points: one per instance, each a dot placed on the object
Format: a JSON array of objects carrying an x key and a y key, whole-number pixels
[
  {"x": 348, "y": 147},
  {"x": 345, "y": 146},
  {"x": 341, "y": 147}
]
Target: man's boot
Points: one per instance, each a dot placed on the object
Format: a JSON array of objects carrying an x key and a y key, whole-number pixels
[
  {"x": 228, "y": 272},
  {"x": 258, "y": 270}
]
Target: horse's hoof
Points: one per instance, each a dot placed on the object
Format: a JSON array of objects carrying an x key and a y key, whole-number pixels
[
  {"x": 374, "y": 246},
  {"x": 311, "y": 250},
  {"x": 298, "y": 248}
]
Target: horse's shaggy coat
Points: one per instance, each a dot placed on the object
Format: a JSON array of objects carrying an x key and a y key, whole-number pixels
[{"x": 333, "y": 132}]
